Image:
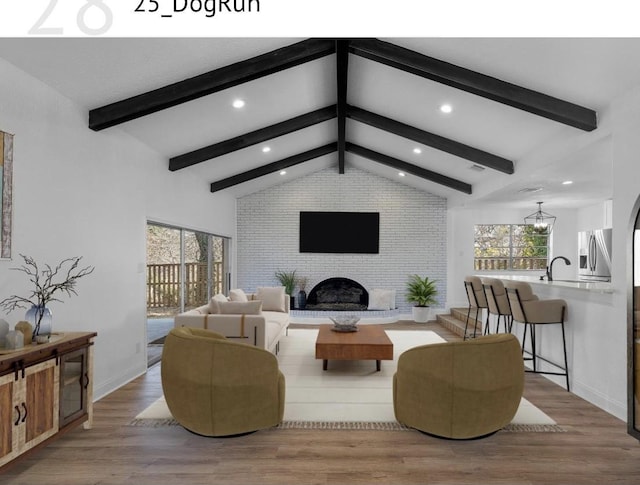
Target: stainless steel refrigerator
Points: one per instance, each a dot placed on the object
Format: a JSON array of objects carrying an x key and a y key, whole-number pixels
[{"x": 594, "y": 255}]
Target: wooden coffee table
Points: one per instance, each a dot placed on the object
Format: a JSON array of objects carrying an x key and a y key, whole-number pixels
[{"x": 370, "y": 342}]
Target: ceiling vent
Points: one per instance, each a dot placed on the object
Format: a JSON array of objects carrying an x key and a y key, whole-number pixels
[{"x": 530, "y": 190}]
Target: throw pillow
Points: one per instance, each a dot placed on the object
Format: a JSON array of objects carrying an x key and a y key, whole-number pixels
[
  {"x": 241, "y": 307},
  {"x": 272, "y": 298},
  {"x": 238, "y": 295},
  {"x": 381, "y": 299},
  {"x": 392, "y": 299},
  {"x": 215, "y": 301}
]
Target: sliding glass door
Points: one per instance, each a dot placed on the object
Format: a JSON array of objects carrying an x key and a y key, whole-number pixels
[
  {"x": 219, "y": 254},
  {"x": 164, "y": 277},
  {"x": 184, "y": 269},
  {"x": 197, "y": 277}
]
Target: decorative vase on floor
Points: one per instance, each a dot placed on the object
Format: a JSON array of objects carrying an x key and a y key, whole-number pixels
[
  {"x": 302, "y": 299},
  {"x": 33, "y": 315}
]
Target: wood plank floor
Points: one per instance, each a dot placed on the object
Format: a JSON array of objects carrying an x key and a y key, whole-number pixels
[{"x": 595, "y": 449}]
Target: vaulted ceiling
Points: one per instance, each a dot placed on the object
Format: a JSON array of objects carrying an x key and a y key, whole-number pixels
[{"x": 364, "y": 103}]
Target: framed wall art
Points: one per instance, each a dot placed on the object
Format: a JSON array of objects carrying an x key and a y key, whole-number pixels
[{"x": 6, "y": 189}]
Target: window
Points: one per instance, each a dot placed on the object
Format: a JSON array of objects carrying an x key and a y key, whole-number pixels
[{"x": 505, "y": 247}]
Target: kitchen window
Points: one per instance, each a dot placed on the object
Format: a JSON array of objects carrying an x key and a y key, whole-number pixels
[{"x": 510, "y": 247}]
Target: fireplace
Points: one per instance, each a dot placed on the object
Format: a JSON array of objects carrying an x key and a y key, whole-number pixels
[{"x": 338, "y": 294}]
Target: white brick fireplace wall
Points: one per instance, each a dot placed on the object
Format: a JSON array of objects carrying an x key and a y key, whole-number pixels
[{"x": 412, "y": 233}]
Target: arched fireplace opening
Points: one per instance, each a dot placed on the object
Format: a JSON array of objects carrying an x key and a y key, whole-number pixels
[{"x": 338, "y": 294}]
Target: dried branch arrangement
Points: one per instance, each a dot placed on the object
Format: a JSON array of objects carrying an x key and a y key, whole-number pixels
[{"x": 67, "y": 272}]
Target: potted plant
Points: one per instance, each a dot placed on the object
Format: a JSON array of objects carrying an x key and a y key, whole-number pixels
[
  {"x": 288, "y": 280},
  {"x": 422, "y": 292}
]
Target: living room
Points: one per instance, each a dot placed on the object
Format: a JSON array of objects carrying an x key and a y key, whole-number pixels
[{"x": 82, "y": 193}]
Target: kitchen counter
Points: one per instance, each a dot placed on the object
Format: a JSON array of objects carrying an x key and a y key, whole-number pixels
[
  {"x": 593, "y": 286},
  {"x": 589, "y": 328}
]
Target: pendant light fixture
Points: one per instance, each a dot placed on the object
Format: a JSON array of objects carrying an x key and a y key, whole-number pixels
[{"x": 541, "y": 221}]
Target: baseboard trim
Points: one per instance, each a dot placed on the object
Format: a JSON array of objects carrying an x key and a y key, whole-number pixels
[{"x": 104, "y": 389}]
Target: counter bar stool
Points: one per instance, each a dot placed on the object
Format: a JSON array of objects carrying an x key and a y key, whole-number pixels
[
  {"x": 528, "y": 309},
  {"x": 498, "y": 302},
  {"x": 477, "y": 301}
]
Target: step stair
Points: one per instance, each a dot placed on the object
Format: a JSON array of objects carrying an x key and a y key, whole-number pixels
[{"x": 455, "y": 321}]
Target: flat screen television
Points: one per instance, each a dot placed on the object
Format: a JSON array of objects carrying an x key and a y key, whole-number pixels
[{"x": 340, "y": 232}]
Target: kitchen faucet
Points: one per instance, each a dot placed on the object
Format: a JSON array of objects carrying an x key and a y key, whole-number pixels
[{"x": 550, "y": 267}]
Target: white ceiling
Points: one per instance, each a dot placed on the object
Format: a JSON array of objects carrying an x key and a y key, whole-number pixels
[{"x": 589, "y": 72}]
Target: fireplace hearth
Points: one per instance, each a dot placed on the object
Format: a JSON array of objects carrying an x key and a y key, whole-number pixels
[{"x": 338, "y": 294}]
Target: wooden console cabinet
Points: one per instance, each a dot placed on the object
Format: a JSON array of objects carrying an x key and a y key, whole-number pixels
[{"x": 44, "y": 389}]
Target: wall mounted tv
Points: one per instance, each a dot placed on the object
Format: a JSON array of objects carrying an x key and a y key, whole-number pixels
[{"x": 339, "y": 232}]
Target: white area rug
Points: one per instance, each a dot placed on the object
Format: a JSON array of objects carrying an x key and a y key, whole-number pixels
[{"x": 350, "y": 394}]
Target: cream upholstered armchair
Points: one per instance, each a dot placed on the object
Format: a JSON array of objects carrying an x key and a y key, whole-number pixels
[
  {"x": 215, "y": 387},
  {"x": 462, "y": 390},
  {"x": 528, "y": 309}
]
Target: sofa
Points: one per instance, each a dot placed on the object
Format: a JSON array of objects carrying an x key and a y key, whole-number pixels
[
  {"x": 215, "y": 387},
  {"x": 260, "y": 319}
]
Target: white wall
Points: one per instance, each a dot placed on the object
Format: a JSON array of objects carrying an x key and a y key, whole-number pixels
[
  {"x": 82, "y": 193},
  {"x": 412, "y": 232},
  {"x": 593, "y": 217}
]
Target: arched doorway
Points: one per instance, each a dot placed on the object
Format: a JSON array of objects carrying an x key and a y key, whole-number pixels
[{"x": 633, "y": 317}]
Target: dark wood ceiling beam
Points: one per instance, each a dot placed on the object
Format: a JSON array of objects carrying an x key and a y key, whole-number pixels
[
  {"x": 476, "y": 83},
  {"x": 273, "y": 167},
  {"x": 429, "y": 139},
  {"x": 249, "y": 139},
  {"x": 342, "y": 63},
  {"x": 409, "y": 168},
  {"x": 209, "y": 83}
]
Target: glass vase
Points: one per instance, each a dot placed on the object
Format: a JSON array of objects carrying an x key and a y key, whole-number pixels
[{"x": 33, "y": 315}]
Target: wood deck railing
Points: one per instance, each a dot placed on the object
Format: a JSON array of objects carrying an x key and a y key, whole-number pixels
[
  {"x": 163, "y": 284},
  {"x": 502, "y": 264}
]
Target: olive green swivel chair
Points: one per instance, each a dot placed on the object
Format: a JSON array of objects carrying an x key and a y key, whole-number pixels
[
  {"x": 461, "y": 390},
  {"x": 215, "y": 387}
]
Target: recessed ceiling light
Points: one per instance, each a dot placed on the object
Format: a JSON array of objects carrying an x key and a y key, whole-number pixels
[
  {"x": 283, "y": 172},
  {"x": 401, "y": 174},
  {"x": 238, "y": 103},
  {"x": 567, "y": 182},
  {"x": 446, "y": 108},
  {"x": 417, "y": 151},
  {"x": 266, "y": 149}
]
